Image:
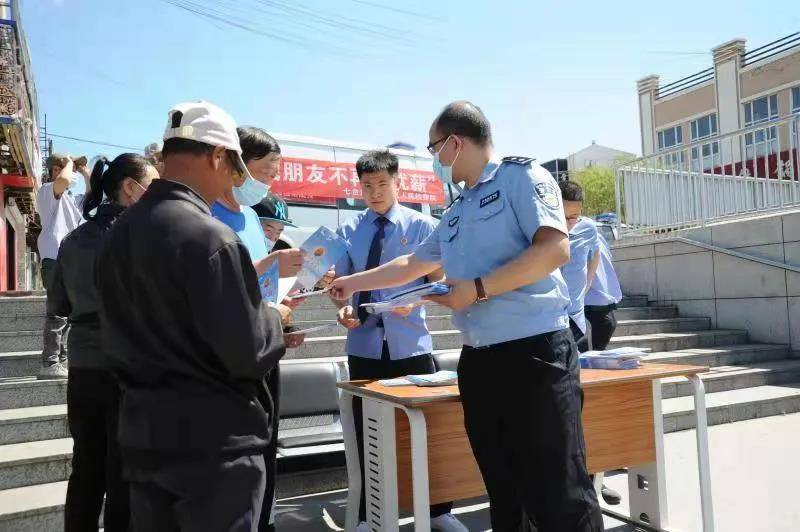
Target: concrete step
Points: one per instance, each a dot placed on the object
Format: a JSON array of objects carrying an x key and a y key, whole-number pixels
[
  {"x": 725, "y": 378},
  {"x": 680, "y": 340},
  {"x": 19, "y": 425},
  {"x": 661, "y": 325},
  {"x": 726, "y": 355},
  {"x": 38, "y": 462},
  {"x": 733, "y": 405},
  {"x": 646, "y": 313},
  {"x": 38, "y": 508},
  {"x": 22, "y": 306},
  {"x": 20, "y": 364},
  {"x": 624, "y": 327},
  {"x": 22, "y": 322},
  {"x": 333, "y": 346},
  {"x": 20, "y": 341},
  {"x": 633, "y": 301},
  {"x": 26, "y": 392}
]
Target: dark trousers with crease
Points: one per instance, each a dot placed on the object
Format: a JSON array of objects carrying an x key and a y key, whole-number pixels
[
  {"x": 604, "y": 323},
  {"x": 522, "y": 414},
  {"x": 92, "y": 414},
  {"x": 267, "y": 523},
  {"x": 370, "y": 369}
]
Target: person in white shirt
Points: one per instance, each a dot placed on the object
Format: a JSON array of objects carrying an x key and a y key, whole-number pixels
[{"x": 60, "y": 214}]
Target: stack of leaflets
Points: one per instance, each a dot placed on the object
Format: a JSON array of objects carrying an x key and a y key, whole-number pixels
[
  {"x": 620, "y": 358},
  {"x": 411, "y": 297},
  {"x": 440, "y": 378}
]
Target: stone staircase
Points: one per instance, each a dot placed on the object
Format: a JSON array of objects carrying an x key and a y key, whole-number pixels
[{"x": 747, "y": 381}]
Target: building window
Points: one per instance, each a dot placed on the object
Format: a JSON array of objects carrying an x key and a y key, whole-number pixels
[
  {"x": 706, "y": 156},
  {"x": 669, "y": 138},
  {"x": 796, "y": 100},
  {"x": 761, "y": 142}
]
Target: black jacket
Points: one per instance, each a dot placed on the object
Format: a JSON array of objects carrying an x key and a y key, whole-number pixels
[
  {"x": 185, "y": 329},
  {"x": 73, "y": 292}
]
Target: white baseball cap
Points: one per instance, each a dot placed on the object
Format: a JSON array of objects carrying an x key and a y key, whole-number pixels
[{"x": 204, "y": 122}]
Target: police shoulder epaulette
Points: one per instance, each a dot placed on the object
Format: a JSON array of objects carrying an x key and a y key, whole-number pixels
[{"x": 518, "y": 160}]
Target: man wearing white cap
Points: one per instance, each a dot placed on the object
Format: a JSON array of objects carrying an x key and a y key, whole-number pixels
[{"x": 187, "y": 333}]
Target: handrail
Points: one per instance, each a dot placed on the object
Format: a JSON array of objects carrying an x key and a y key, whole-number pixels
[
  {"x": 738, "y": 254},
  {"x": 716, "y": 249},
  {"x": 771, "y": 49}
]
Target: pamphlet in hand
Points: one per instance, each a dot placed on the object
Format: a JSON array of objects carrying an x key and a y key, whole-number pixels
[
  {"x": 411, "y": 297},
  {"x": 311, "y": 329},
  {"x": 268, "y": 283},
  {"x": 320, "y": 252},
  {"x": 440, "y": 378}
]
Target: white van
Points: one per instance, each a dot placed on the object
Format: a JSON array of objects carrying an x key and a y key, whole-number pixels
[{"x": 310, "y": 207}]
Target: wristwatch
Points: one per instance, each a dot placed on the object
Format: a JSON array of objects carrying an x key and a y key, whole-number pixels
[{"x": 480, "y": 290}]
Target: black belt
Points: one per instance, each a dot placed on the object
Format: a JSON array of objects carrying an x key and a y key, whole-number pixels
[{"x": 595, "y": 308}]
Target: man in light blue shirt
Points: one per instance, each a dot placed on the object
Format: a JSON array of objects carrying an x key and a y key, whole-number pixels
[
  {"x": 393, "y": 344},
  {"x": 583, "y": 260},
  {"x": 501, "y": 244},
  {"x": 602, "y": 298}
]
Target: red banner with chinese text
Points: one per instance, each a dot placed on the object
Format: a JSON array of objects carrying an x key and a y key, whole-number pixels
[{"x": 308, "y": 179}]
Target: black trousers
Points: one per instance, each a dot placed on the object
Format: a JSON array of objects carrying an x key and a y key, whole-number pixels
[
  {"x": 522, "y": 407},
  {"x": 604, "y": 323},
  {"x": 92, "y": 414},
  {"x": 581, "y": 339},
  {"x": 267, "y": 523},
  {"x": 217, "y": 494},
  {"x": 367, "y": 369}
]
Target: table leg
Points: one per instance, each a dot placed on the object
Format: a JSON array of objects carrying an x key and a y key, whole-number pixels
[
  {"x": 351, "y": 456},
  {"x": 419, "y": 469},
  {"x": 647, "y": 484},
  {"x": 703, "y": 462}
]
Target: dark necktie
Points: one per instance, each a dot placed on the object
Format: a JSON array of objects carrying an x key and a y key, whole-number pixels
[{"x": 373, "y": 260}]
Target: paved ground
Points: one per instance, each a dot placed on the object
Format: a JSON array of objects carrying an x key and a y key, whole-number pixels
[{"x": 754, "y": 466}]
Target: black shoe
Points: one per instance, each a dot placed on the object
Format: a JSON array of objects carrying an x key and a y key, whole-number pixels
[{"x": 610, "y": 496}]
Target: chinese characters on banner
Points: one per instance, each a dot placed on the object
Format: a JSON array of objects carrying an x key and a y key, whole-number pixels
[{"x": 307, "y": 179}]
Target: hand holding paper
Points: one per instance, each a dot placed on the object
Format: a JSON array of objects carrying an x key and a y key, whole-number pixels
[
  {"x": 461, "y": 295},
  {"x": 320, "y": 252},
  {"x": 411, "y": 297}
]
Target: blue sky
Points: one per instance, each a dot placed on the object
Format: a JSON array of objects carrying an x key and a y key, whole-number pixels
[{"x": 551, "y": 78}]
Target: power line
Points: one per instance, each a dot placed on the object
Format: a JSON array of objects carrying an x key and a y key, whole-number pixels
[{"x": 98, "y": 142}]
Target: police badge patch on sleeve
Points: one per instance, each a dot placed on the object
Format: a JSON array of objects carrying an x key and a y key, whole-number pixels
[{"x": 547, "y": 194}]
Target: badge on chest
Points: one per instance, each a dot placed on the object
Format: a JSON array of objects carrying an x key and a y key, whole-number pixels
[{"x": 486, "y": 200}]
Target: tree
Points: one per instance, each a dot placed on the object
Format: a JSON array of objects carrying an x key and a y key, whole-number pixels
[{"x": 598, "y": 189}]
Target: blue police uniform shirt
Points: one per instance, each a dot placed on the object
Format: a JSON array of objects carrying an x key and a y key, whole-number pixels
[
  {"x": 605, "y": 289},
  {"x": 490, "y": 225},
  {"x": 407, "y": 228},
  {"x": 247, "y": 227},
  {"x": 583, "y": 244}
]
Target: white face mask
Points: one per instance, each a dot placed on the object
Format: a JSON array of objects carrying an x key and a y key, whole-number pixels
[
  {"x": 445, "y": 173},
  {"x": 270, "y": 243},
  {"x": 250, "y": 193}
]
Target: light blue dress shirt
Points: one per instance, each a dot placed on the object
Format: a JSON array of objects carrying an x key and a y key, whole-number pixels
[
  {"x": 605, "y": 289},
  {"x": 405, "y": 336},
  {"x": 490, "y": 225},
  {"x": 583, "y": 244}
]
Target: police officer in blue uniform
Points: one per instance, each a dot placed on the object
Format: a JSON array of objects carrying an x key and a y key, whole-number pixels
[
  {"x": 501, "y": 244},
  {"x": 602, "y": 298},
  {"x": 584, "y": 256}
]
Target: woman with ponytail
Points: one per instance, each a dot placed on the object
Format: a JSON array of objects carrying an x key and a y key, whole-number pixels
[{"x": 92, "y": 392}]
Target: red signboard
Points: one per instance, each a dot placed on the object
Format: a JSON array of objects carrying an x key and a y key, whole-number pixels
[{"x": 308, "y": 179}]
